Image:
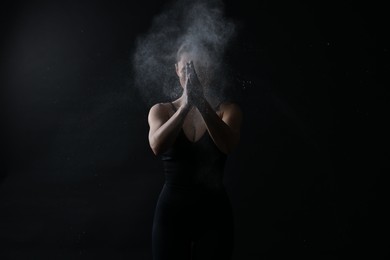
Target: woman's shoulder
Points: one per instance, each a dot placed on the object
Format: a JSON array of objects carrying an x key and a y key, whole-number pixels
[
  {"x": 161, "y": 108},
  {"x": 228, "y": 105},
  {"x": 230, "y": 109}
]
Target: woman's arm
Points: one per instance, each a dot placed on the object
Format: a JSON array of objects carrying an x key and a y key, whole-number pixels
[
  {"x": 224, "y": 130},
  {"x": 163, "y": 129}
]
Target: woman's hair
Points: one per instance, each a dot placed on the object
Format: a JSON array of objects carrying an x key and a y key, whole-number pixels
[
  {"x": 184, "y": 48},
  {"x": 202, "y": 52},
  {"x": 203, "y": 57}
]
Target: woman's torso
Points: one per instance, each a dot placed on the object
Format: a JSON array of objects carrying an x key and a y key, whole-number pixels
[{"x": 194, "y": 161}]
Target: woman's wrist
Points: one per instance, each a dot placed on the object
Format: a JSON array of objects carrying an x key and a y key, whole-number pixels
[
  {"x": 202, "y": 104},
  {"x": 185, "y": 108}
]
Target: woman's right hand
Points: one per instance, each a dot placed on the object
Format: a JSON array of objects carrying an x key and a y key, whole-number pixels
[{"x": 194, "y": 88}]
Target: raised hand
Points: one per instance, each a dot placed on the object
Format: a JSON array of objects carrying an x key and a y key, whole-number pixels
[{"x": 193, "y": 86}]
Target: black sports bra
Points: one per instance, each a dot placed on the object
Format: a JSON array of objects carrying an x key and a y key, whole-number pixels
[{"x": 197, "y": 164}]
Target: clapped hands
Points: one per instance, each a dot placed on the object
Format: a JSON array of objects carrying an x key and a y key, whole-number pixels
[{"x": 193, "y": 86}]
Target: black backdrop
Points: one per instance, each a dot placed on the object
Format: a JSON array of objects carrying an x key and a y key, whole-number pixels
[{"x": 79, "y": 180}]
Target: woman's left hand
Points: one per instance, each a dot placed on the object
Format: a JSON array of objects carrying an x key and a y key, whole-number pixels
[{"x": 194, "y": 87}]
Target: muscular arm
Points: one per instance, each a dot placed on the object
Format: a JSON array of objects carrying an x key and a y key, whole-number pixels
[
  {"x": 163, "y": 129},
  {"x": 225, "y": 130}
]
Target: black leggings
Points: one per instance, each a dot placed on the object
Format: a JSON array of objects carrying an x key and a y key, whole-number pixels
[{"x": 193, "y": 225}]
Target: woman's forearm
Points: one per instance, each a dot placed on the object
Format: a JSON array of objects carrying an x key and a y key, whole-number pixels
[
  {"x": 221, "y": 133},
  {"x": 164, "y": 137}
]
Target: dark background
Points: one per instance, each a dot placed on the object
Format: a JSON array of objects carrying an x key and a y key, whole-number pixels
[{"x": 79, "y": 181}]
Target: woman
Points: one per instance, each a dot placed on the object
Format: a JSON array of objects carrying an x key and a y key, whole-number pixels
[{"x": 193, "y": 217}]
